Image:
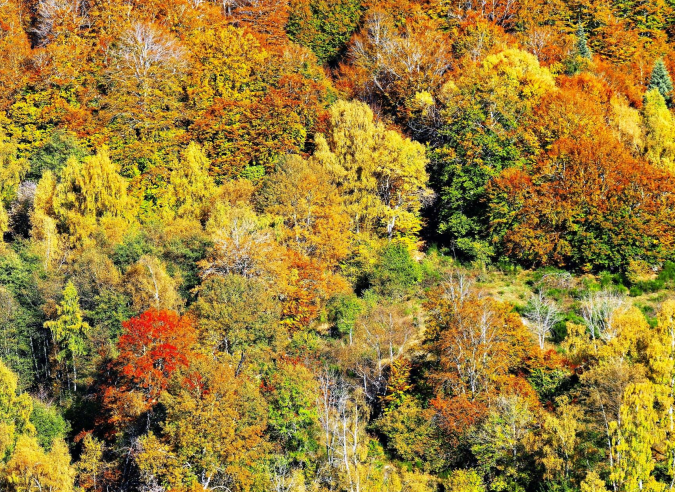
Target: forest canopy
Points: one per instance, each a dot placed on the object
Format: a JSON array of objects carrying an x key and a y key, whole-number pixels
[{"x": 337, "y": 246}]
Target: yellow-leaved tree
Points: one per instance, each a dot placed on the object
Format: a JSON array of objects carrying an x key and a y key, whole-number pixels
[
  {"x": 634, "y": 436},
  {"x": 190, "y": 185},
  {"x": 28, "y": 467},
  {"x": 92, "y": 198},
  {"x": 44, "y": 230},
  {"x": 304, "y": 196},
  {"x": 212, "y": 435},
  {"x": 380, "y": 174},
  {"x": 659, "y": 131},
  {"x": 12, "y": 171}
]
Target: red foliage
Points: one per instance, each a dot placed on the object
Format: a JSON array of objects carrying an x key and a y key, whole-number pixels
[{"x": 155, "y": 345}]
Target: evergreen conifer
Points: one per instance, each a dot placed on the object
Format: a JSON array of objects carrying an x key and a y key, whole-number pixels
[
  {"x": 661, "y": 81},
  {"x": 582, "y": 43}
]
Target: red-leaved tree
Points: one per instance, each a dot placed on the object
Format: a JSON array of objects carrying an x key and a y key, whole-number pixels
[{"x": 154, "y": 346}]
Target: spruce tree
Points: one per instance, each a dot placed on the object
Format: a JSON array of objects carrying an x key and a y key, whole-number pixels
[
  {"x": 661, "y": 81},
  {"x": 582, "y": 43}
]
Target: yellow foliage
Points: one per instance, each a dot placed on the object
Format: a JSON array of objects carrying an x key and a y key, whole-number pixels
[
  {"x": 4, "y": 220},
  {"x": 92, "y": 196},
  {"x": 630, "y": 337},
  {"x": 380, "y": 173},
  {"x": 634, "y": 437},
  {"x": 150, "y": 286},
  {"x": 464, "y": 481},
  {"x": 627, "y": 123},
  {"x": 593, "y": 483},
  {"x": 44, "y": 227},
  {"x": 12, "y": 169},
  {"x": 190, "y": 185},
  {"x": 561, "y": 437},
  {"x": 15, "y": 409},
  {"x": 31, "y": 469},
  {"x": 519, "y": 73},
  {"x": 659, "y": 131}
]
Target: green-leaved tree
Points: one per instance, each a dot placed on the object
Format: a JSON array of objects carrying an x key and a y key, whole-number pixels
[{"x": 70, "y": 331}]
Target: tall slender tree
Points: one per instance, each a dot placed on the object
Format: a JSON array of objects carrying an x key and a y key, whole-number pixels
[
  {"x": 661, "y": 81},
  {"x": 582, "y": 43},
  {"x": 70, "y": 331}
]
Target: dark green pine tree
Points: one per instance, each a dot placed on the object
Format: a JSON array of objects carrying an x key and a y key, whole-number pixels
[
  {"x": 582, "y": 43},
  {"x": 661, "y": 81}
]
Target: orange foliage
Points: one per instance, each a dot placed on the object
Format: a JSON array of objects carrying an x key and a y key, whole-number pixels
[
  {"x": 483, "y": 350},
  {"x": 596, "y": 206}
]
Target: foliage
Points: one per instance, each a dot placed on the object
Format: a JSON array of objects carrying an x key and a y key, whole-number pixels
[
  {"x": 285, "y": 245},
  {"x": 660, "y": 80},
  {"x": 323, "y": 27}
]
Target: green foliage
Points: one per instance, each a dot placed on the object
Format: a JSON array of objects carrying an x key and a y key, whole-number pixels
[
  {"x": 549, "y": 383},
  {"x": 324, "y": 27},
  {"x": 293, "y": 420},
  {"x": 53, "y": 154},
  {"x": 480, "y": 135},
  {"x": 237, "y": 313},
  {"x": 582, "y": 43},
  {"x": 500, "y": 445},
  {"x": 110, "y": 309},
  {"x": 132, "y": 247},
  {"x": 343, "y": 311},
  {"x": 49, "y": 424},
  {"x": 20, "y": 275},
  {"x": 69, "y": 329},
  {"x": 395, "y": 272},
  {"x": 412, "y": 436}
]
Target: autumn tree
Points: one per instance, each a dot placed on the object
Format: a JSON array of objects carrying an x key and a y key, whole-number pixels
[
  {"x": 150, "y": 286},
  {"x": 69, "y": 330},
  {"x": 390, "y": 65},
  {"x": 152, "y": 348},
  {"x": 233, "y": 84},
  {"x": 501, "y": 443},
  {"x": 563, "y": 435},
  {"x": 480, "y": 134},
  {"x": 27, "y": 466},
  {"x": 13, "y": 169},
  {"x": 379, "y": 338},
  {"x": 635, "y": 434},
  {"x": 543, "y": 314},
  {"x": 304, "y": 195},
  {"x": 14, "y": 50},
  {"x": 236, "y": 314},
  {"x": 380, "y": 174},
  {"x": 92, "y": 194},
  {"x": 15, "y": 410},
  {"x": 215, "y": 424},
  {"x": 659, "y": 127},
  {"x": 143, "y": 76},
  {"x": 609, "y": 191},
  {"x": 31, "y": 468},
  {"x": 478, "y": 343},
  {"x": 190, "y": 186}
]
